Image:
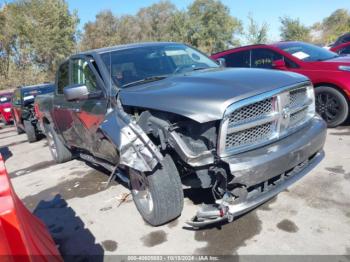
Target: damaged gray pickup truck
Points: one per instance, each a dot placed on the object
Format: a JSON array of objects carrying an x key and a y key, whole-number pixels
[{"x": 160, "y": 115}]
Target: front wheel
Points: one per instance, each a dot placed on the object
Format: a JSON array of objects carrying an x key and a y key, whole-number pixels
[
  {"x": 30, "y": 131},
  {"x": 158, "y": 196},
  {"x": 331, "y": 105},
  {"x": 59, "y": 151}
]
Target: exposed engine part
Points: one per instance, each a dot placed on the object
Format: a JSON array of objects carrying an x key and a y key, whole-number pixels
[
  {"x": 167, "y": 135},
  {"x": 220, "y": 186}
]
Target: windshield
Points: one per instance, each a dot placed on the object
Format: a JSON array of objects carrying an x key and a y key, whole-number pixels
[
  {"x": 149, "y": 62},
  {"x": 307, "y": 52},
  {"x": 5, "y": 98}
]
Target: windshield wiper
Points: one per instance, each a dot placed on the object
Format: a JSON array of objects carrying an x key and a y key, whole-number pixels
[{"x": 145, "y": 80}]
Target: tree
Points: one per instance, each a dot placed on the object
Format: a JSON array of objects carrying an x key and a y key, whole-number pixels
[
  {"x": 154, "y": 21},
  {"x": 333, "y": 26},
  {"x": 102, "y": 32},
  {"x": 211, "y": 27},
  {"x": 256, "y": 34},
  {"x": 293, "y": 30},
  {"x": 56, "y": 37},
  {"x": 36, "y": 36}
]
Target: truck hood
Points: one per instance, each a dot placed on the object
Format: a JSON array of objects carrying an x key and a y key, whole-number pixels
[{"x": 204, "y": 95}]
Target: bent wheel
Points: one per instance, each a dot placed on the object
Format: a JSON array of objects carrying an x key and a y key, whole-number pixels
[{"x": 158, "y": 195}]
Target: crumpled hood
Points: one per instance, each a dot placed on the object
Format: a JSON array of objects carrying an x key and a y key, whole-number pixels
[{"x": 204, "y": 95}]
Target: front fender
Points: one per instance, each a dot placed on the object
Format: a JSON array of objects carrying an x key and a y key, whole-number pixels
[{"x": 135, "y": 148}]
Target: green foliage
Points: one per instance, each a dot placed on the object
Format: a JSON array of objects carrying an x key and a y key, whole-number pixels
[
  {"x": 102, "y": 32},
  {"x": 207, "y": 24},
  {"x": 256, "y": 34},
  {"x": 211, "y": 25},
  {"x": 293, "y": 30},
  {"x": 335, "y": 25},
  {"x": 38, "y": 35}
]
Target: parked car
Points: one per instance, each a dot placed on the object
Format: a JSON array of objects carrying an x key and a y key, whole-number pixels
[
  {"x": 342, "y": 49},
  {"x": 328, "y": 72},
  {"x": 345, "y": 38},
  {"x": 23, "y": 111},
  {"x": 5, "y": 108},
  {"x": 161, "y": 114}
]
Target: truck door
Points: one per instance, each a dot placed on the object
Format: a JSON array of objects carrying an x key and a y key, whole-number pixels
[
  {"x": 61, "y": 112},
  {"x": 87, "y": 114}
]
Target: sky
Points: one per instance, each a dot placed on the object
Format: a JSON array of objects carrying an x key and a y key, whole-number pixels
[{"x": 269, "y": 11}]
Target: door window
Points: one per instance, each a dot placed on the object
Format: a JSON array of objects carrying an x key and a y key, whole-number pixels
[
  {"x": 82, "y": 74},
  {"x": 238, "y": 59},
  {"x": 63, "y": 77},
  {"x": 263, "y": 58},
  {"x": 345, "y": 50}
]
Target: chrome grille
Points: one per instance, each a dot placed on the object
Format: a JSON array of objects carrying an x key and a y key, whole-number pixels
[
  {"x": 249, "y": 136},
  {"x": 259, "y": 120},
  {"x": 298, "y": 117},
  {"x": 250, "y": 112},
  {"x": 297, "y": 96}
]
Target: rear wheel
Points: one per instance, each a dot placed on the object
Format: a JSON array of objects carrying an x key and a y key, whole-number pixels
[
  {"x": 18, "y": 129},
  {"x": 30, "y": 131},
  {"x": 331, "y": 105},
  {"x": 158, "y": 196},
  {"x": 59, "y": 151}
]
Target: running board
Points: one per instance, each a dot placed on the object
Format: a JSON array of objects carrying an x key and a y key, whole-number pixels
[{"x": 115, "y": 171}]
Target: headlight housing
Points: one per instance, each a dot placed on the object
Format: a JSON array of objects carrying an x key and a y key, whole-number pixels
[
  {"x": 7, "y": 110},
  {"x": 344, "y": 68}
]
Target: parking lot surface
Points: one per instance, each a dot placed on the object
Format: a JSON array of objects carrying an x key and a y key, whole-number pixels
[{"x": 84, "y": 217}]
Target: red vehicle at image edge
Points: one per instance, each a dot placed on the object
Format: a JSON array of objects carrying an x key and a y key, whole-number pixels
[
  {"x": 5, "y": 108},
  {"x": 342, "y": 49},
  {"x": 329, "y": 72}
]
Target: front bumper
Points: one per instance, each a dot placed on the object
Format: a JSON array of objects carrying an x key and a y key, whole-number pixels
[{"x": 266, "y": 171}]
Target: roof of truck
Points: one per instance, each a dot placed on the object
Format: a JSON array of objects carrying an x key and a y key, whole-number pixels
[
  {"x": 126, "y": 46},
  {"x": 36, "y": 86}
]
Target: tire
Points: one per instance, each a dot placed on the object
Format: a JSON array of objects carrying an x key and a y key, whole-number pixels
[
  {"x": 331, "y": 105},
  {"x": 166, "y": 194},
  {"x": 18, "y": 129},
  {"x": 60, "y": 153},
  {"x": 30, "y": 131}
]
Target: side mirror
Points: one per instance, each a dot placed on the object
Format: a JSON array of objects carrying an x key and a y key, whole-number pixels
[
  {"x": 279, "y": 64},
  {"x": 76, "y": 92},
  {"x": 221, "y": 62}
]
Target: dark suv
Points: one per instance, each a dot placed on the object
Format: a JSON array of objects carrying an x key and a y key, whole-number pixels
[{"x": 23, "y": 111}]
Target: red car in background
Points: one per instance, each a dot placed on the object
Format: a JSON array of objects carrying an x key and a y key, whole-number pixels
[
  {"x": 329, "y": 72},
  {"x": 5, "y": 108},
  {"x": 342, "y": 49}
]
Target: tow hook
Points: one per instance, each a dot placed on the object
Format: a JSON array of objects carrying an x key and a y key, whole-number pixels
[{"x": 210, "y": 214}]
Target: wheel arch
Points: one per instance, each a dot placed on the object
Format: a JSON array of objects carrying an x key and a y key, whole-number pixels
[{"x": 341, "y": 90}]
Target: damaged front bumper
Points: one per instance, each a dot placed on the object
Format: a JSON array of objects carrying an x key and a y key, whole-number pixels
[{"x": 267, "y": 171}]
